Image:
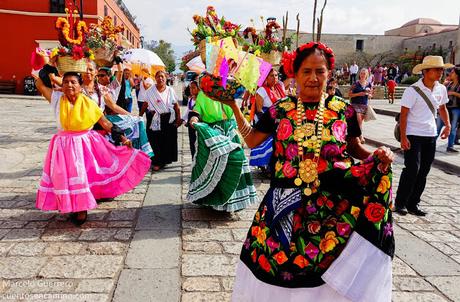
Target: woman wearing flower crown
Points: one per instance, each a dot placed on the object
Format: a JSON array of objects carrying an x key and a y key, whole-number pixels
[
  {"x": 323, "y": 231},
  {"x": 81, "y": 166}
]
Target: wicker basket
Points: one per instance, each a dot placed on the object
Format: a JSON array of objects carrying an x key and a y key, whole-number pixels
[
  {"x": 68, "y": 64},
  {"x": 202, "y": 49},
  {"x": 103, "y": 57},
  {"x": 274, "y": 57}
]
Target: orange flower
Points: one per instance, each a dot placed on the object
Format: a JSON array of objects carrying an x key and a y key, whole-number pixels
[
  {"x": 329, "y": 115},
  {"x": 280, "y": 257},
  {"x": 384, "y": 184},
  {"x": 355, "y": 211},
  {"x": 264, "y": 264},
  {"x": 301, "y": 261},
  {"x": 259, "y": 234},
  {"x": 328, "y": 243}
]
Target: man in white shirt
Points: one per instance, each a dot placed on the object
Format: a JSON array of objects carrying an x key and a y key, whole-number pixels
[
  {"x": 353, "y": 72},
  {"x": 418, "y": 132}
]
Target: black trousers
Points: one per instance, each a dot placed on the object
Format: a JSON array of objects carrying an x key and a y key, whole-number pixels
[
  {"x": 353, "y": 78},
  {"x": 417, "y": 165},
  {"x": 192, "y": 140}
]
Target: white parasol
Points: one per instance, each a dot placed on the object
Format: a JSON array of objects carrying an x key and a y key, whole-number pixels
[{"x": 141, "y": 59}]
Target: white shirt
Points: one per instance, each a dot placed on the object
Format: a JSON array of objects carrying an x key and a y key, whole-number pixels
[
  {"x": 263, "y": 94},
  {"x": 142, "y": 91},
  {"x": 55, "y": 98},
  {"x": 354, "y": 68},
  {"x": 420, "y": 120}
]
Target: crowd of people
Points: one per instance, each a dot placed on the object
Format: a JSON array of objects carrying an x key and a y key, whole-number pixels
[
  {"x": 379, "y": 74},
  {"x": 327, "y": 214}
]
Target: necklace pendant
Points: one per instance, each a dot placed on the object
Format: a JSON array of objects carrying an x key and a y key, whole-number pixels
[
  {"x": 307, "y": 191},
  {"x": 298, "y": 182}
]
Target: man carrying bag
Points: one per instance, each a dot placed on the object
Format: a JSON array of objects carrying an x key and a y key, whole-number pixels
[{"x": 418, "y": 132}]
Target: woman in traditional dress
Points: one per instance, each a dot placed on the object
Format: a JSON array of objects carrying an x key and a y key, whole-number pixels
[
  {"x": 221, "y": 176},
  {"x": 102, "y": 92},
  {"x": 324, "y": 229},
  {"x": 81, "y": 166},
  {"x": 359, "y": 95},
  {"x": 266, "y": 95},
  {"x": 163, "y": 119}
]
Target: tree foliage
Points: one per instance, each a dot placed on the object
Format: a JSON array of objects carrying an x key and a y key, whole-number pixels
[{"x": 164, "y": 50}]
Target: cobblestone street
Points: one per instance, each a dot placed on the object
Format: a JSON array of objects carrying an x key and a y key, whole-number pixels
[{"x": 151, "y": 245}]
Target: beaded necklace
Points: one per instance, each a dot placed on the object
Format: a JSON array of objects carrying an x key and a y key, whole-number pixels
[{"x": 309, "y": 135}]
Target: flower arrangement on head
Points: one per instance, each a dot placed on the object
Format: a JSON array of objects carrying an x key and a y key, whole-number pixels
[
  {"x": 289, "y": 58},
  {"x": 104, "y": 35},
  {"x": 266, "y": 41},
  {"x": 186, "y": 58},
  {"x": 72, "y": 37},
  {"x": 212, "y": 26}
]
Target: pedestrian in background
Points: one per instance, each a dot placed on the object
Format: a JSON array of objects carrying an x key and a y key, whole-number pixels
[
  {"x": 391, "y": 87},
  {"x": 453, "y": 106},
  {"x": 359, "y": 94},
  {"x": 354, "y": 68},
  {"x": 418, "y": 132}
]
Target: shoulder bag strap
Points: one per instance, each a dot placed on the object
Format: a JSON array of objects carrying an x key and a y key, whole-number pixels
[{"x": 426, "y": 99}]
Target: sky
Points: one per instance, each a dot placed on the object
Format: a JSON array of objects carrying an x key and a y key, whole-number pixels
[{"x": 169, "y": 20}]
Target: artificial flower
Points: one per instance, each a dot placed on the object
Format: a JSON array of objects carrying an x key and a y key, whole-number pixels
[{"x": 374, "y": 212}]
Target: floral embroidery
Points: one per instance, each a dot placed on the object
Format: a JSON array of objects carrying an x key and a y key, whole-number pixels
[{"x": 323, "y": 223}]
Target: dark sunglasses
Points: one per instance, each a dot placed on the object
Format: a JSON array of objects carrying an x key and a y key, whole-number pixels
[{"x": 101, "y": 75}]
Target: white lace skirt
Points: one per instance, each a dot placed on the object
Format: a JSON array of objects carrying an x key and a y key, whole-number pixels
[{"x": 361, "y": 273}]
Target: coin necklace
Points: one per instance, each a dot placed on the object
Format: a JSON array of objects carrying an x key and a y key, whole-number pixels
[{"x": 309, "y": 135}]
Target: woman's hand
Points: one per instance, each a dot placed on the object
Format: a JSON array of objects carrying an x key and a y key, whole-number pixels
[
  {"x": 178, "y": 122},
  {"x": 193, "y": 121},
  {"x": 385, "y": 155},
  {"x": 126, "y": 142}
]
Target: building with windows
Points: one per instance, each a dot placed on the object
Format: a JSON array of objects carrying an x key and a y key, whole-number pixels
[{"x": 30, "y": 24}]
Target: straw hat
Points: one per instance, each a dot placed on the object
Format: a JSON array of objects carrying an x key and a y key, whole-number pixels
[{"x": 431, "y": 62}]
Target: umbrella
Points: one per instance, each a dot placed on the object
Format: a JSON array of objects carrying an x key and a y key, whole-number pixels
[{"x": 143, "y": 58}]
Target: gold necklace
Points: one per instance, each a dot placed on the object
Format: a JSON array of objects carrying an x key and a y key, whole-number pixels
[{"x": 309, "y": 135}]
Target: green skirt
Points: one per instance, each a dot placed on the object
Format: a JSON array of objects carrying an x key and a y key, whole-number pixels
[
  {"x": 134, "y": 130},
  {"x": 221, "y": 177}
]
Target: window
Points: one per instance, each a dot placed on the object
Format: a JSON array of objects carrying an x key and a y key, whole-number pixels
[
  {"x": 419, "y": 47},
  {"x": 57, "y": 6},
  {"x": 106, "y": 11},
  {"x": 115, "y": 20},
  {"x": 359, "y": 45},
  {"x": 451, "y": 44},
  {"x": 434, "y": 45}
]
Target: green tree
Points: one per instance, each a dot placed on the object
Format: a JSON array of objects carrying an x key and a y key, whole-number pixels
[{"x": 164, "y": 50}]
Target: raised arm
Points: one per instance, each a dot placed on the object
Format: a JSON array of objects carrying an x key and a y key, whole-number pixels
[{"x": 45, "y": 91}]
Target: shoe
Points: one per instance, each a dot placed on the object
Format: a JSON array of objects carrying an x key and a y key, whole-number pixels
[
  {"x": 78, "y": 221},
  {"x": 451, "y": 150},
  {"x": 416, "y": 212},
  {"x": 400, "y": 211},
  {"x": 457, "y": 143}
]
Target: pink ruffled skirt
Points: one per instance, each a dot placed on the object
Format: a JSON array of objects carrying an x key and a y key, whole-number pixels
[{"x": 81, "y": 167}]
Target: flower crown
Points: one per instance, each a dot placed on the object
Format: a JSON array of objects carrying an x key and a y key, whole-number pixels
[{"x": 289, "y": 57}]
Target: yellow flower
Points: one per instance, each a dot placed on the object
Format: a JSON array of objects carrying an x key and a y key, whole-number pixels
[
  {"x": 54, "y": 52},
  {"x": 355, "y": 211},
  {"x": 259, "y": 233},
  {"x": 278, "y": 166},
  {"x": 328, "y": 243},
  {"x": 288, "y": 106},
  {"x": 336, "y": 105},
  {"x": 384, "y": 184},
  {"x": 327, "y": 134},
  {"x": 257, "y": 52}
]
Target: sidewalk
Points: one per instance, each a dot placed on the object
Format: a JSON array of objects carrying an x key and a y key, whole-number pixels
[{"x": 380, "y": 132}]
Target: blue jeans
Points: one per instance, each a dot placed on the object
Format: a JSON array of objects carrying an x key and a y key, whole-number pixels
[{"x": 454, "y": 114}]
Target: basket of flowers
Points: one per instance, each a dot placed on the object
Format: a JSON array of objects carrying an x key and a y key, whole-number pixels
[
  {"x": 103, "y": 41},
  {"x": 214, "y": 27},
  {"x": 73, "y": 53},
  {"x": 267, "y": 43}
]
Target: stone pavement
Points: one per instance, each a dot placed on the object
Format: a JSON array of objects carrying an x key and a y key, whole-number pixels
[{"x": 151, "y": 245}]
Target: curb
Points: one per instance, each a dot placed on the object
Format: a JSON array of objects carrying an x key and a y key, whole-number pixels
[
  {"x": 441, "y": 164},
  {"x": 20, "y": 97},
  {"x": 385, "y": 112}
]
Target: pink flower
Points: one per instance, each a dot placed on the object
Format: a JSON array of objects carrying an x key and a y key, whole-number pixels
[
  {"x": 339, "y": 130},
  {"x": 273, "y": 245},
  {"x": 341, "y": 165},
  {"x": 311, "y": 250},
  {"x": 343, "y": 229},
  {"x": 288, "y": 170},
  {"x": 284, "y": 129},
  {"x": 261, "y": 42},
  {"x": 292, "y": 151}
]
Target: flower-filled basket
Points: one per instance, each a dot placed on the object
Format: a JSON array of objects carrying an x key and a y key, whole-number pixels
[
  {"x": 73, "y": 54},
  {"x": 273, "y": 57},
  {"x": 103, "y": 40},
  {"x": 212, "y": 87}
]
